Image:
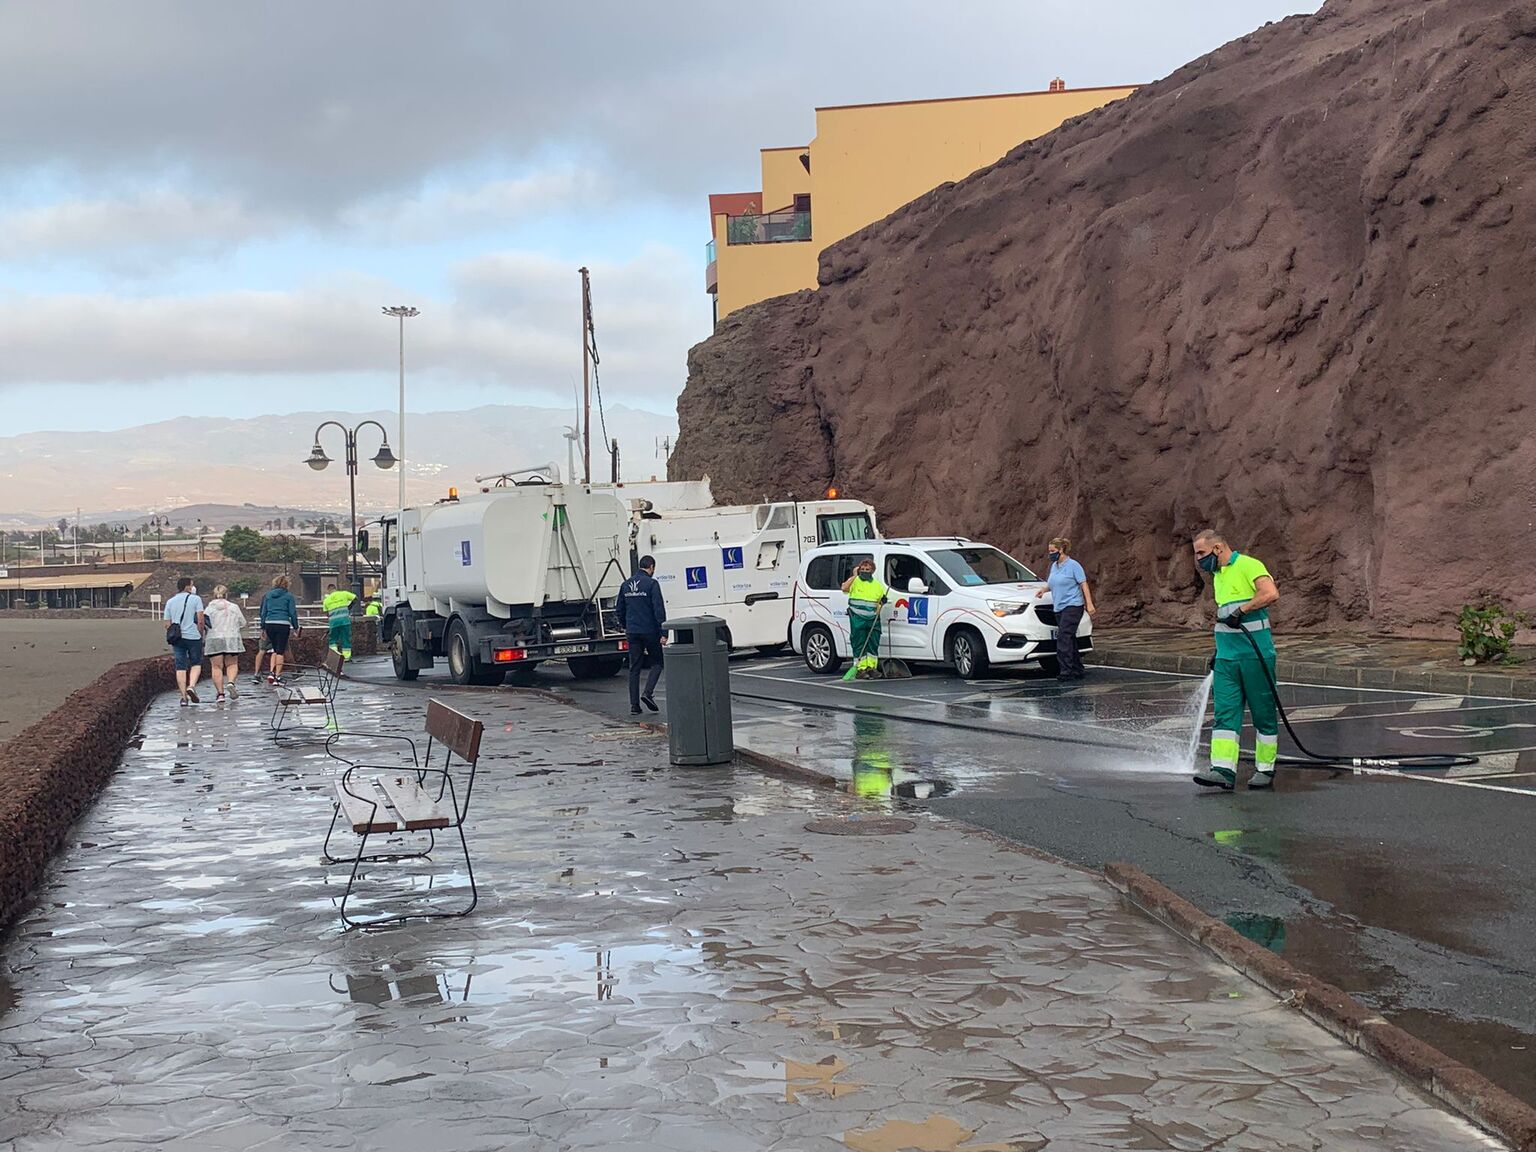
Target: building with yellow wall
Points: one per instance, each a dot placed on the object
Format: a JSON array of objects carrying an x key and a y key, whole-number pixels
[{"x": 866, "y": 161}]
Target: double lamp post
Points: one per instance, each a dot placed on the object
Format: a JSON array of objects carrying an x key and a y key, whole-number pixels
[{"x": 318, "y": 460}]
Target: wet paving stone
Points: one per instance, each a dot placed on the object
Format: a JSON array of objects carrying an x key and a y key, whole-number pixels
[{"x": 661, "y": 958}]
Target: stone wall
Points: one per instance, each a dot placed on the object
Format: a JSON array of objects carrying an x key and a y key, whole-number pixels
[{"x": 51, "y": 771}]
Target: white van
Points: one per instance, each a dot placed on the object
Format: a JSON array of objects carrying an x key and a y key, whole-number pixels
[
  {"x": 739, "y": 562},
  {"x": 953, "y": 601}
]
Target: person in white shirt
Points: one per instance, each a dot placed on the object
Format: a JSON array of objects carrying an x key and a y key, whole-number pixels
[{"x": 224, "y": 642}]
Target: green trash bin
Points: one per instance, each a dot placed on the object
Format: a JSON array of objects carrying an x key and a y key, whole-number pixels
[{"x": 699, "y": 691}]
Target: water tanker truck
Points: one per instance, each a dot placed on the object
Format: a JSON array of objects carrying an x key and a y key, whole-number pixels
[{"x": 504, "y": 578}]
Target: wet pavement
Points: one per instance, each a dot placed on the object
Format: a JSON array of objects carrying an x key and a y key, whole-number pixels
[
  {"x": 1416, "y": 893},
  {"x": 662, "y": 958}
]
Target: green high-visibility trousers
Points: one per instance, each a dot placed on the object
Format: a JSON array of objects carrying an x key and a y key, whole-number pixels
[
  {"x": 339, "y": 635},
  {"x": 1240, "y": 682},
  {"x": 864, "y": 633}
]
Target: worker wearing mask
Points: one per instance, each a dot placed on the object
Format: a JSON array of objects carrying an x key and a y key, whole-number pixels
[
  {"x": 866, "y": 595},
  {"x": 337, "y": 606},
  {"x": 1244, "y": 592}
]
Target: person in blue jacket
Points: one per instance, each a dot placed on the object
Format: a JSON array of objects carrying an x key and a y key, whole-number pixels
[
  {"x": 641, "y": 613},
  {"x": 279, "y": 619}
]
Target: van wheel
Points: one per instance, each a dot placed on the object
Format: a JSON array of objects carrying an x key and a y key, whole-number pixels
[
  {"x": 969, "y": 652},
  {"x": 821, "y": 651}
]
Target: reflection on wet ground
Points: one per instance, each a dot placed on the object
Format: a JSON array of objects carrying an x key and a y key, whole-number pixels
[{"x": 661, "y": 960}]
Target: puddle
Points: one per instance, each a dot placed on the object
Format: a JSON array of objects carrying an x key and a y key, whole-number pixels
[
  {"x": 935, "y": 1134},
  {"x": 794, "y": 1078}
]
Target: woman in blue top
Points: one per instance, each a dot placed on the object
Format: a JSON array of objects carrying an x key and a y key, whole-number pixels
[
  {"x": 1071, "y": 597},
  {"x": 278, "y": 619}
]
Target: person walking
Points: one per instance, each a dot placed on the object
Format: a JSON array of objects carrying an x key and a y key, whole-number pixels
[
  {"x": 184, "y": 633},
  {"x": 337, "y": 606},
  {"x": 1070, "y": 597},
  {"x": 1244, "y": 592},
  {"x": 866, "y": 596},
  {"x": 225, "y": 642},
  {"x": 641, "y": 612},
  {"x": 263, "y": 652},
  {"x": 279, "y": 619}
]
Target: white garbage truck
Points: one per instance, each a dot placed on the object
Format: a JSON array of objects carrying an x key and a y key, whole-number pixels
[
  {"x": 739, "y": 562},
  {"x": 504, "y": 578}
]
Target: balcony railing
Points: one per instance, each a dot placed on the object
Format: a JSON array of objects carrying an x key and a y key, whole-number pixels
[{"x": 768, "y": 228}]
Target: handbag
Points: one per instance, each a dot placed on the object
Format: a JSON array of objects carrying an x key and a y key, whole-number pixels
[{"x": 173, "y": 629}]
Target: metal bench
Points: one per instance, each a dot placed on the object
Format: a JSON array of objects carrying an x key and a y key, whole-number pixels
[
  {"x": 407, "y": 800},
  {"x": 295, "y": 699}
]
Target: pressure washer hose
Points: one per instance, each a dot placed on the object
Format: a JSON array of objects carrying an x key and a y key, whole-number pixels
[{"x": 1310, "y": 759}]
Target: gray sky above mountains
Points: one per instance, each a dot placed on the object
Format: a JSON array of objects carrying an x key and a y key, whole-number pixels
[{"x": 203, "y": 205}]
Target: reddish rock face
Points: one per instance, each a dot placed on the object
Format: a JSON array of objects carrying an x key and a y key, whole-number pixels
[{"x": 1287, "y": 291}]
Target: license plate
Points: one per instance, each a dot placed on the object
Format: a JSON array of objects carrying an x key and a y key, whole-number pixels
[
  {"x": 572, "y": 649},
  {"x": 1053, "y": 633}
]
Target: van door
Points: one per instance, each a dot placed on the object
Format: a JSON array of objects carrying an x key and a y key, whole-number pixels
[
  {"x": 820, "y": 598},
  {"x": 913, "y": 614}
]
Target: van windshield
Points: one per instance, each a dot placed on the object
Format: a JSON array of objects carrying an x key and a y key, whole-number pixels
[{"x": 970, "y": 567}]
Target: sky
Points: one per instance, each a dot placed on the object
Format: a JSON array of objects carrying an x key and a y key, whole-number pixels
[{"x": 204, "y": 205}]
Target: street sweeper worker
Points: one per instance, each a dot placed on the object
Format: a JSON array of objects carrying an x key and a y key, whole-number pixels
[
  {"x": 865, "y": 596},
  {"x": 1244, "y": 592}
]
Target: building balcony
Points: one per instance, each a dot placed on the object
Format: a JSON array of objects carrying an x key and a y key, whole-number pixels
[{"x": 768, "y": 227}]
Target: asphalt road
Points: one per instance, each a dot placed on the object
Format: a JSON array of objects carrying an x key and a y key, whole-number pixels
[{"x": 1416, "y": 893}]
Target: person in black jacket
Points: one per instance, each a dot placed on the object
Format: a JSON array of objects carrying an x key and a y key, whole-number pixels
[{"x": 641, "y": 613}]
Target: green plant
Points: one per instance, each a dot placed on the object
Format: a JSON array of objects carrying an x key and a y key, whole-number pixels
[
  {"x": 243, "y": 585},
  {"x": 741, "y": 229},
  {"x": 1487, "y": 630},
  {"x": 241, "y": 544}
]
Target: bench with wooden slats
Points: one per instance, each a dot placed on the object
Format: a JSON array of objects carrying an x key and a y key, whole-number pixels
[
  {"x": 391, "y": 802},
  {"x": 323, "y": 696},
  {"x": 420, "y": 797}
]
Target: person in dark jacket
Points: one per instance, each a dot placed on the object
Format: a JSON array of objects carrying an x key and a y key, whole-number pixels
[
  {"x": 641, "y": 613},
  {"x": 279, "y": 619}
]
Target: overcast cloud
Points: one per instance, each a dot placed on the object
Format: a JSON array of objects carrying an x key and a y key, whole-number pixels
[{"x": 193, "y": 190}]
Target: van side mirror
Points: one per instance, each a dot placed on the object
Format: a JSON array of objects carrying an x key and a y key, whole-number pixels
[
  {"x": 362, "y": 540},
  {"x": 916, "y": 586}
]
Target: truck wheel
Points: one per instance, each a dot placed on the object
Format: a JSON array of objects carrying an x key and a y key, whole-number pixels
[
  {"x": 461, "y": 657},
  {"x": 397, "y": 657},
  {"x": 969, "y": 652},
  {"x": 594, "y": 667},
  {"x": 820, "y": 651}
]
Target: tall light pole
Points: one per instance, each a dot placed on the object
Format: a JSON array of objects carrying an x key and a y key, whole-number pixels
[
  {"x": 384, "y": 458},
  {"x": 401, "y": 312},
  {"x": 159, "y": 524}
]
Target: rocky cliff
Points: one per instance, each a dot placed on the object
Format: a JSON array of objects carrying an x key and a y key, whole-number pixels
[{"x": 1287, "y": 290}]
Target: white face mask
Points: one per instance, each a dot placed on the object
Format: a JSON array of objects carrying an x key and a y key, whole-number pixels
[{"x": 192, "y": 591}]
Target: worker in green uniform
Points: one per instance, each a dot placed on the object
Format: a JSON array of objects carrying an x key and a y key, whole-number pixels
[
  {"x": 866, "y": 595},
  {"x": 1244, "y": 592},
  {"x": 373, "y": 608},
  {"x": 338, "y": 606}
]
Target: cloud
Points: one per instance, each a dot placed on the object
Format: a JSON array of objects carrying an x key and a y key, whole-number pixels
[
  {"x": 512, "y": 319},
  {"x": 442, "y": 211},
  {"x": 116, "y": 228},
  {"x": 313, "y": 108}
]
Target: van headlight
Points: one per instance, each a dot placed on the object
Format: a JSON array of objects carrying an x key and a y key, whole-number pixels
[{"x": 1007, "y": 607}]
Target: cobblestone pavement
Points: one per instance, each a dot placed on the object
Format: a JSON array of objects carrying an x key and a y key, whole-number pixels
[{"x": 662, "y": 959}]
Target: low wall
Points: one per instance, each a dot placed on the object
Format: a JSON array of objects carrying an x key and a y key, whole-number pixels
[
  {"x": 51, "y": 771},
  {"x": 308, "y": 647}
]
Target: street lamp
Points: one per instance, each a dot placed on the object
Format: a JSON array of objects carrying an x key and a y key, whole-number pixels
[
  {"x": 402, "y": 312},
  {"x": 383, "y": 458},
  {"x": 159, "y": 524}
]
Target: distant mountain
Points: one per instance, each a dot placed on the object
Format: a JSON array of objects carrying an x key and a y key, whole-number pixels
[{"x": 172, "y": 465}]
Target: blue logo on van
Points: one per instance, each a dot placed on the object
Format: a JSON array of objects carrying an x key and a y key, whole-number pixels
[
  {"x": 917, "y": 610},
  {"x": 697, "y": 577},
  {"x": 731, "y": 558}
]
